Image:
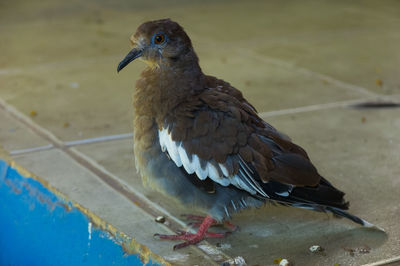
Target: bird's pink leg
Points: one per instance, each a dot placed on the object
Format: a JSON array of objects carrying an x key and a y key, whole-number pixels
[
  {"x": 191, "y": 239},
  {"x": 199, "y": 220}
]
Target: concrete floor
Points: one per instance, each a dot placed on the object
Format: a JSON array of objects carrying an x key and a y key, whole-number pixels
[{"x": 302, "y": 64}]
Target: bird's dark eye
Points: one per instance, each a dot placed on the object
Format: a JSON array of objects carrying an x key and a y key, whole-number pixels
[{"x": 159, "y": 39}]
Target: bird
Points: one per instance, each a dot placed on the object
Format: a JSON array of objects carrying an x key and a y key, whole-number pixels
[{"x": 200, "y": 143}]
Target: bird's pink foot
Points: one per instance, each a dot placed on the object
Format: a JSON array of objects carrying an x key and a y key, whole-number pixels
[{"x": 191, "y": 239}]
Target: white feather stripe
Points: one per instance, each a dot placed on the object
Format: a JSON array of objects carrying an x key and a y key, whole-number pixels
[
  {"x": 163, "y": 148},
  {"x": 170, "y": 146},
  {"x": 200, "y": 172},
  {"x": 174, "y": 154},
  {"x": 161, "y": 138},
  {"x": 223, "y": 169},
  {"x": 185, "y": 160},
  {"x": 177, "y": 152},
  {"x": 214, "y": 175},
  {"x": 212, "y": 172}
]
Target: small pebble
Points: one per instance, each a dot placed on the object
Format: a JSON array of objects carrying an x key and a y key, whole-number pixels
[
  {"x": 239, "y": 261},
  {"x": 316, "y": 248},
  {"x": 364, "y": 249},
  {"x": 284, "y": 262},
  {"x": 160, "y": 219}
]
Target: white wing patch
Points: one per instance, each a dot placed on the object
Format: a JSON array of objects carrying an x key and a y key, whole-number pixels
[{"x": 178, "y": 155}]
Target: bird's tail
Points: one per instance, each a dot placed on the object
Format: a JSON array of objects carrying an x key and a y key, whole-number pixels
[
  {"x": 336, "y": 211},
  {"x": 354, "y": 218},
  {"x": 324, "y": 198}
]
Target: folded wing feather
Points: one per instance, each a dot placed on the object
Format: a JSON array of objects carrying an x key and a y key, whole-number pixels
[{"x": 218, "y": 172}]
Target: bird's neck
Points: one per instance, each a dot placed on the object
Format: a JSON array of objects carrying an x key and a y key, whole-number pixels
[{"x": 159, "y": 90}]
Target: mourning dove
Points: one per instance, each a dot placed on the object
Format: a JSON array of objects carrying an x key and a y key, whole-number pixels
[{"x": 200, "y": 142}]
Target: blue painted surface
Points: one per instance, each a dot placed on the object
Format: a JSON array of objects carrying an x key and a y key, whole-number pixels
[{"x": 37, "y": 228}]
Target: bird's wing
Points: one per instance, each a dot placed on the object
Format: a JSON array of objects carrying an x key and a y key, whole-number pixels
[{"x": 218, "y": 136}]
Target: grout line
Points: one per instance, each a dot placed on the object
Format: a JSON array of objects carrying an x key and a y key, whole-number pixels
[
  {"x": 10, "y": 71},
  {"x": 58, "y": 64},
  {"x": 98, "y": 139},
  {"x": 28, "y": 150},
  {"x": 310, "y": 108},
  {"x": 74, "y": 143},
  {"x": 384, "y": 262},
  {"x": 323, "y": 106}
]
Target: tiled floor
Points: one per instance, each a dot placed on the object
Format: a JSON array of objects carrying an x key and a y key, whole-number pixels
[{"x": 300, "y": 63}]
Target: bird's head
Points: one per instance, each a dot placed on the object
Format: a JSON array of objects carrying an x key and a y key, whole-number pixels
[{"x": 159, "y": 43}]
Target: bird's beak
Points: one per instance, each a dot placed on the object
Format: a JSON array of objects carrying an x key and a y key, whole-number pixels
[{"x": 132, "y": 55}]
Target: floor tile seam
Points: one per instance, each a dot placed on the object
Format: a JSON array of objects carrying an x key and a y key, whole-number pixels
[
  {"x": 58, "y": 63},
  {"x": 31, "y": 150},
  {"x": 315, "y": 107},
  {"x": 389, "y": 261},
  {"x": 74, "y": 143},
  {"x": 110, "y": 179},
  {"x": 98, "y": 139},
  {"x": 331, "y": 105}
]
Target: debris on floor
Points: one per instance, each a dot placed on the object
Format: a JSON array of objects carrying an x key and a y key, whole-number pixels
[
  {"x": 213, "y": 252},
  {"x": 223, "y": 245},
  {"x": 316, "y": 248},
  {"x": 282, "y": 262},
  {"x": 160, "y": 219},
  {"x": 239, "y": 260},
  {"x": 360, "y": 250},
  {"x": 33, "y": 113},
  {"x": 177, "y": 258}
]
